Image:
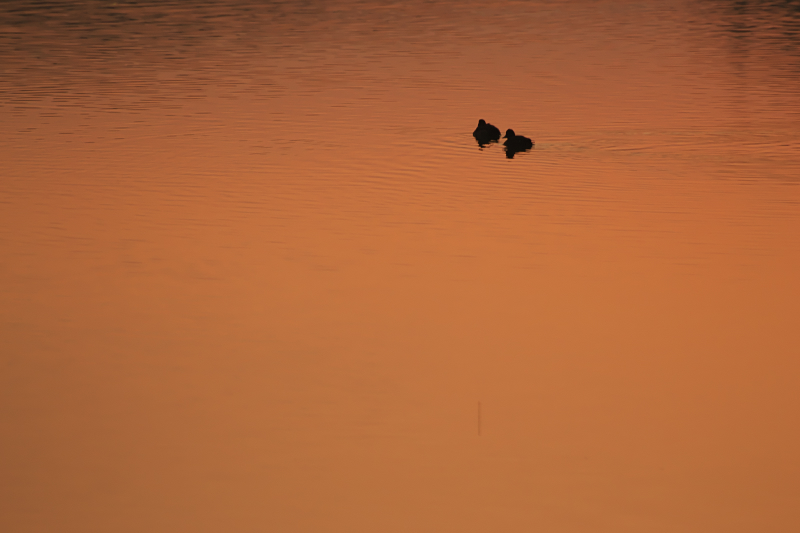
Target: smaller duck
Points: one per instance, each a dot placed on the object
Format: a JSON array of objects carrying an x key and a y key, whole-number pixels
[
  {"x": 516, "y": 143},
  {"x": 486, "y": 133}
]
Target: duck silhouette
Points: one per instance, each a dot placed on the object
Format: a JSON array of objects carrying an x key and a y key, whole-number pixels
[
  {"x": 486, "y": 133},
  {"x": 516, "y": 143}
]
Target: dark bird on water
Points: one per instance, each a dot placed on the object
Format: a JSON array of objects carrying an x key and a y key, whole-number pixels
[
  {"x": 486, "y": 133},
  {"x": 516, "y": 143}
]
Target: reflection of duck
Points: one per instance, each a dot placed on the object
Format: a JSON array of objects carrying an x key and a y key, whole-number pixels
[
  {"x": 516, "y": 143},
  {"x": 486, "y": 133}
]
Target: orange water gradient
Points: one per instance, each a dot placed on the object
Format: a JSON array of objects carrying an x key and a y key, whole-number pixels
[{"x": 204, "y": 330}]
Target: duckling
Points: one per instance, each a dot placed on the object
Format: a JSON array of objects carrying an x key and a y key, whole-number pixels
[
  {"x": 516, "y": 143},
  {"x": 486, "y": 133}
]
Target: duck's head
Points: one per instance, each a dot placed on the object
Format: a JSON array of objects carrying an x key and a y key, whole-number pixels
[
  {"x": 509, "y": 134},
  {"x": 481, "y": 122}
]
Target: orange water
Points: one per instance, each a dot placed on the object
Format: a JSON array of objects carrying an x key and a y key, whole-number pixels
[{"x": 256, "y": 274}]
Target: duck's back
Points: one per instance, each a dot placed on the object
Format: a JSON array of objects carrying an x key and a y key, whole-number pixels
[
  {"x": 493, "y": 131},
  {"x": 518, "y": 142},
  {"x": 486, "y": 131}
]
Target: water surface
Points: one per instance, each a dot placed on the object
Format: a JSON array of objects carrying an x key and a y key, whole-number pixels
[{"x": 256, "y": 274}]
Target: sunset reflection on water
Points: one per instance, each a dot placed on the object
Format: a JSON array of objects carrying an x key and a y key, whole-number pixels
[{"x": 257, "y": 274}]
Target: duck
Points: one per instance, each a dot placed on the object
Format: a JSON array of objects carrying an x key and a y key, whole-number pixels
[
  {"x": 486, "y": 133},
  {"x": 516, "y": 143}
]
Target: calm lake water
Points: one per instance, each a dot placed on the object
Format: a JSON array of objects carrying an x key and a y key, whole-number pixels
[{"x": 257, "y": 275}]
